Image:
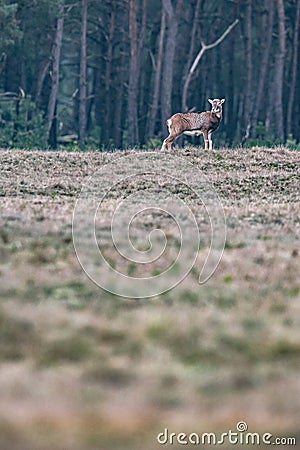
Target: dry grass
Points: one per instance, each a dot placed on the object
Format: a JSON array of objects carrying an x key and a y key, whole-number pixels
[{"x": 83, "y": 369}]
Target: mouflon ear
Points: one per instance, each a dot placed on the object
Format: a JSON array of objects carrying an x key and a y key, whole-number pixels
[
  {"x": 223, "y": 100},
  {"x": 210, "y": 101}
]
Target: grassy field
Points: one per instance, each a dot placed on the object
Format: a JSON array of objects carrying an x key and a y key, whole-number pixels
[{"x": 84, "y": 369}]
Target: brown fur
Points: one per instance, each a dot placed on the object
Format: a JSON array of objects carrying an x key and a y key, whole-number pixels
[{"x": 195, "y": 124}]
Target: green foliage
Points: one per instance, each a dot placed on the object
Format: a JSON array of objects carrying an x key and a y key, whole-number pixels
[
  {"x": 264, "y": 138},
  {"x": 94, "y": 137},
  {"x": 153, "y": 144},
  {"x": 9, "y": 27},
  {"x": 27, "y": 41},
  {"x": 227, "y": 278},
  {"x": 291, "y": 143},
  {"x": 21, "y": 125}
]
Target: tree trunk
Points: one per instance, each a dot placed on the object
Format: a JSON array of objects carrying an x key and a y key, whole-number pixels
[
  {"x": 136, "y": 45},
  {"x": 40, "y": 80},
  {"x": 119, "y": 110},
  {"x": 248, "y": 68},
  {"x": 133, "y": 136},
  {"x": 82, "y": 75},
  {"x": 107, "y": 82},
  {"x": 2, "y": 62},
  {"x": 157, "y": 77},
  {"x": 55, "y": 74},
  {"x": 231, "y": 101},
  {"x": 264, "y": 64},
  {"x": 294, "y": 71},
  {"x": 168, "y": 66},
  {"x": 53, "y": 130},
  {"x": 278, "y": 81}
]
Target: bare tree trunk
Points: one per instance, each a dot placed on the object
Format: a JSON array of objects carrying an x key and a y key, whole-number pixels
[
  {"x": 136, "y": 46},
  {"x": 200, "y": 54},
  {"x": 294, "y": 71},
  {"x": 267, "y": 25},
  {"x": 232, "y": 101},
  {"x": 156, "y": 88},
  {"x": 133, "y": 136},
  {"x": 168, "y": 66},
  {"x": 23, "y": 78},
  {"x": 98, "y": 103},
  {"x": 82, "y": 75},
  {"x": 3, "y": 59},
  {"x": 143, "y": 29},
  {"x": 108, "y": 71},
  {"x": 40, "y": 80},
  {"x": 248, "y": 68},
  {"x": 278, "y": 81},
  {"x": 118, "y": 132},
  {"x": 141, "y": 75},
  {"x": 55, "y": 74}
]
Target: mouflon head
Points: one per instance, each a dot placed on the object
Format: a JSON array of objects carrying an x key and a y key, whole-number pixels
[{"x": 216, "y": 104}]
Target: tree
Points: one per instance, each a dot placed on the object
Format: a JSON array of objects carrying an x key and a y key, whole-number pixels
[
  {"x": 294, "y": 70},
  {"x": 279, "y": 70},
  {"x": 51, "y": 119},
  {"x": 157, "y": 77},
  {"x": 231, "y": 100},
  {"x": 204, "y": 48},
  {"x": 111, "y": 73},
  {"x": 108, "y": 74},
  {"x": 136, "y": 45},
  {"x": 248, "y": 69},
  {"x": 168, "y": 63},
  {"x": 10, "y": 30},
  {"x": 267, "y": 24},
  {"x": 82, "y": 74}
]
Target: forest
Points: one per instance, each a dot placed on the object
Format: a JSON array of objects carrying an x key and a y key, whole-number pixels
[
  {"x": 141, "y": 289},
  {"x": 107, "y": 74}
]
